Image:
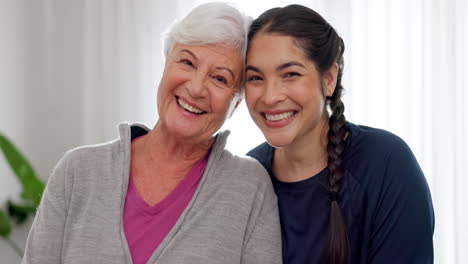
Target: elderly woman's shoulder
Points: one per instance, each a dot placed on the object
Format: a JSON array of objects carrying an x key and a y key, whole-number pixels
[
  {"x": 245, "y": 167},
  {"x": 95, "y": 152},
  {"x": 91, "y": 159},
  {"x": 235, "y": 167},
  {"x": 241, "y": 175}
]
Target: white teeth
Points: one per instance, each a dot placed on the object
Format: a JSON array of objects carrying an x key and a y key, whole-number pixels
[
  {"x": 189, "y": 107},
  {"x": 278, "y": 117}
]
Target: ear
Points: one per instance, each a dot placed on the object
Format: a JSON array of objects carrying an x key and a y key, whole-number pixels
[{"x": 329, "y": 79}]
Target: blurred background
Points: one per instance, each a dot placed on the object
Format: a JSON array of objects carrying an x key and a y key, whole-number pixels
[{"x": 71, "y": 70}]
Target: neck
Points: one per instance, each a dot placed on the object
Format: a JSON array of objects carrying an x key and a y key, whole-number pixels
[
  {"x": 166, "y": 150},
  {"x": 305, "y": 157}
]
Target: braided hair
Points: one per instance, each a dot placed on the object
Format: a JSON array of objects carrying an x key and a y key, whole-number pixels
[{"x": 324, "y": 47}]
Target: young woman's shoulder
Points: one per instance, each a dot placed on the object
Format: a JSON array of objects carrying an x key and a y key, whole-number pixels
[
  {"x": 398, "y": 196},
  {"x": 379, "y": 149},
  {"x": 382, "y": 163},
  {"x": 369, "y": 139},
  {"x": 264, "y": 154},
  {"x": 373, "y": 155}
]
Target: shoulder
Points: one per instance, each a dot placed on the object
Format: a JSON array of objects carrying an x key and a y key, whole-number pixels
[
  {"x": 243, "y": 167},
  {"x": 377, "y": 148},
  {"x": 384, "y": 165},
  {"x": 87, "y": 166},
  {"x": 397, "y": 194},
  {"x": 92, "y": 155},
  {"x": 372, "y": 139},
  {"x": 263, "y": 153},
  {"x": 102, "y": 160},
  {"x": 76, "y": 169},
  {"x": 240, "y": 180},
  {"x": 241, "y": 174},
  {"x": 380, "y": 160}
]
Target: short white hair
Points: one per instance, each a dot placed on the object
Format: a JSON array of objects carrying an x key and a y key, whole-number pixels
[{"x": 210, "y": 23}]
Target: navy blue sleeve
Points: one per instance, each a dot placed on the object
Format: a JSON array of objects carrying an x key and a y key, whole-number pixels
[{"x": 403, "y": 217}]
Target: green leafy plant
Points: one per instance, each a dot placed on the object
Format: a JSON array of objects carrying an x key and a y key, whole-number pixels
[{"x": 32, "y": 188}]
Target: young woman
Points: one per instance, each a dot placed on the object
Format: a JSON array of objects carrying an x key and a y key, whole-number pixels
[{"x": 347, "y": 193}]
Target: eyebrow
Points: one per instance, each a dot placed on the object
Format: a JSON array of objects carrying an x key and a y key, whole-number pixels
[
  {"x": 189, "y": 52},
  {"x": 289, "y": 64},
  {"x": 252, "y": 68},
  {"x": 279, "y": 68},
  {"x": 226, "y": 69},
  {"x": 218, "y": 68}
]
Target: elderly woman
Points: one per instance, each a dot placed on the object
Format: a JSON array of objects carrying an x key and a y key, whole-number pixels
[{"x": 172, "y": 194}]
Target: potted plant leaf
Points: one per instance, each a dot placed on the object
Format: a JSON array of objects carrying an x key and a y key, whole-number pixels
[{"x": 17, "y": 212}]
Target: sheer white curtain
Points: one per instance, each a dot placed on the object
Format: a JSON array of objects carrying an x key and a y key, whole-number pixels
[
  {"x": 408, "y": 73},
  {"x": 71, "y": 70}
]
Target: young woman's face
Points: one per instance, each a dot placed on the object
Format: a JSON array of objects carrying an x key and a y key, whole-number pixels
[{"x": 284, "y": 92}]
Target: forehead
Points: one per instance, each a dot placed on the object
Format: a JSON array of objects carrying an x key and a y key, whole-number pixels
[
  {"x": 273, "y": 49},
  {"x": 213, "y": 54}
]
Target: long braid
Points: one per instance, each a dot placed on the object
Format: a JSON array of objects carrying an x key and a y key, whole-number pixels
[{"x": 338, "y": 242}]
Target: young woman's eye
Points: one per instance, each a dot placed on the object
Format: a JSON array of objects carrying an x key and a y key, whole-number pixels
[
  {"x": 254, "y": 78},
  {"x": 291, "y": 74}
]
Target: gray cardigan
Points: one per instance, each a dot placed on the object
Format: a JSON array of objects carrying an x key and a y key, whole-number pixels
[{"x": 232, "y": 217}]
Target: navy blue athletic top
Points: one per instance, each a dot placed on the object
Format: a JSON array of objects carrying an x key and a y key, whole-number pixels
[{"x": 384, "y": 197}]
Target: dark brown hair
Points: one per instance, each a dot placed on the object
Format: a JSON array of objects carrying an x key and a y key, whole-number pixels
[{"x": 324, "y": 47}]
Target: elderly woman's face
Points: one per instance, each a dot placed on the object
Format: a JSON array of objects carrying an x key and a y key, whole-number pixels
[{"x": 197, "y": 88}]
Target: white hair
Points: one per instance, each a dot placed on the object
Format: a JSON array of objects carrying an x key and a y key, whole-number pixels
[{"x": 210, "y": 23}]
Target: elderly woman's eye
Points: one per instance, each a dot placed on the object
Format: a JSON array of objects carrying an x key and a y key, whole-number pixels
[
  {"x": 186, "y": 61},
  {"x": 221, "y": 79}
]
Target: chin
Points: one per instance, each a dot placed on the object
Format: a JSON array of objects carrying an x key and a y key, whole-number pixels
[{"x": 278, "y": 141}]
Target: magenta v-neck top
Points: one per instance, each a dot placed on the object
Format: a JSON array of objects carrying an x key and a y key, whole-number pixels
[{"x": 146, "y": 226}]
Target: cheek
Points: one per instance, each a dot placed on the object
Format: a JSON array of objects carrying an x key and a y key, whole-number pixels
[
  {"x": 167, "y": 86},
  {"x": 172, "y": 79},
  {"x": 309, "y": 91},
  {"x": 316, "y": 101},
  {"x": 252, "y": 94},
  {"x": 221, "y": 99},
  {"x": 161, "y": 91}
]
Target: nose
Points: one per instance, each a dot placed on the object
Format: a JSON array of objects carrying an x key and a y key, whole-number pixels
[
  {"x": 273, "y": 93},
  {"x": 197, "y": 86}
]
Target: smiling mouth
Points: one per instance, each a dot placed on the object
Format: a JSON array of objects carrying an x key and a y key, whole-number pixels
[
  {"x": 278, "y": 117},
  {"x": 189, "y": 108}
]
